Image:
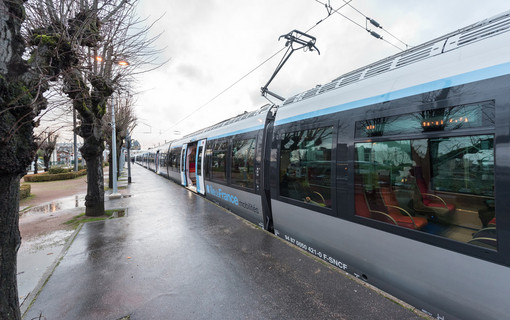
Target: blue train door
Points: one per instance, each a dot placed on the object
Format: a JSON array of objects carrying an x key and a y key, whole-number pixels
[
  {"x": 183, "y": 165},
  {"x": 200, "y": 166}
]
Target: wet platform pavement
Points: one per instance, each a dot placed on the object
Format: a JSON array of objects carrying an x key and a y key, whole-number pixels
[{"x": 178, "y": 256}]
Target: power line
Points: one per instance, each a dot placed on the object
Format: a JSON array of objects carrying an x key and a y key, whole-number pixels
[
  {"x": 372, "y": 21},
  {"x": 330, "y": 13},
  {"x": 375, "y": 23},
  {"x": 224, "y": 90},
  {"x": 247, "y": 74}
]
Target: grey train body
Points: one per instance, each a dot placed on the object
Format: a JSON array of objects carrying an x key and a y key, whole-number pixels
[{"x": 397, "y": 172}]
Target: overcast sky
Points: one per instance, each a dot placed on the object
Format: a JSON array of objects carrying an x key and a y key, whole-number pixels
[{"x": 214, "y": 43}]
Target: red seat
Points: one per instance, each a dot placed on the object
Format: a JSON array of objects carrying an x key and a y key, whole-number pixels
[
  {"x": 400, "y": 215},
  {"x": 363, "y": 209},
  {"x": 361, "y": 205},
  {"x": 427, "y": 202}
]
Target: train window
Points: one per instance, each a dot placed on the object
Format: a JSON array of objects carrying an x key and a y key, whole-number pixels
[
  {"x": 174, "y": 160},
  {"x": 305, "y": 166},
  {"x": 219, "y": 161},
  {"x": 163, "y": 159},
  {"x": 199, "y": 160},
  {"x": 170, "y": 160},
  {"x": 439, "y": 119},
  {"x": 177, "y": 159},
  {"x": 442, "y": 186},
  {"x": 208, "y": 160},
  {"x": 243, "y": 161}
]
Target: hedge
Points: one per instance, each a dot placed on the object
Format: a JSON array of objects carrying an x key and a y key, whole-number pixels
[
  {"x": 55, "y": 170},
  {"x": 24, "y": 191},
  {"x": 45, "y": 176}
]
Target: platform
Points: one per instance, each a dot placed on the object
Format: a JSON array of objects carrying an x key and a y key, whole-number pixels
[{"x": 178, "y": 256}]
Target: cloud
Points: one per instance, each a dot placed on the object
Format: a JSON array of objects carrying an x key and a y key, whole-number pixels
[
  {"x": 190, "y": 72},
  {"x": 213, "y": 44}
]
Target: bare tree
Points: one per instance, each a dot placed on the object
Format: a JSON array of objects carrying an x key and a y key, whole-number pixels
[
  {"x": 38, "y": 142},
  {"x": 62, "y": 36},
  {"x": 21, "y": 101},
  {"x": 41, "y": 142},
  {"x": 47, "y": 147},
  {"x": 89, "y": 40},
  {"x": 125, "y": 122}
]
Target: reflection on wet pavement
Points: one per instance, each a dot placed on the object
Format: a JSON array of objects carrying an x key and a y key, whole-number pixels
[
  {"x": 35, "y": 256},
  {"x": 60, "y": 204}
]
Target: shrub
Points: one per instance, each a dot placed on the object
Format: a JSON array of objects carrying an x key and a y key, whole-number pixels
[
  {"x": 41, "y": 177},
  {"x": 57, "y": 170},
  {"x": 24, "y": 191}
]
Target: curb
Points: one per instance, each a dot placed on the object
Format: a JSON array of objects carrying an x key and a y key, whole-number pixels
[{"x": 32, "y": 296}]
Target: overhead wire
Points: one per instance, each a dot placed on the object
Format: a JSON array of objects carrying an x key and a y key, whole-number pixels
[
  {"x": 247, "y": 74},
  {"x": 373, "y": 33},
  {"x": 330, "y": 13},
  {"x": 224, "y": 90},
  {"x": 378, "y": 25}
]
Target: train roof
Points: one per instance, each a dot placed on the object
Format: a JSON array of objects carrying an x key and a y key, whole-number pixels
[
  {"x": 245, "y": 122},
  {"x": 162, "y": 147},
  {"x": 476, "y": 32},
  {"x": 475, "y": 53}
]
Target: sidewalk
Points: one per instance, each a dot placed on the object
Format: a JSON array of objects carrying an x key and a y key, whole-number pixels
[
  {"x": 43, "y": 229},
  {"x": 179, "y": 256}
]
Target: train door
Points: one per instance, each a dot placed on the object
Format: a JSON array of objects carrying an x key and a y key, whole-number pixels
[
  {"x": 183, "y": 165},
  {"x": 191, "y": 166},
  {"x": 200, "y": 166},
  {"x": 156, "y": 163}
]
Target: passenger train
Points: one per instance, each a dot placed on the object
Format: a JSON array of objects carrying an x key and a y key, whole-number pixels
[{"x": 394, "y": 172}]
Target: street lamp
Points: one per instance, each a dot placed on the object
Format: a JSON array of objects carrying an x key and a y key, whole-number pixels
[
  {"x": 115, "y": 193},
  {"x": 128, "y": 142},
  {"x": 75, "y": 139}
]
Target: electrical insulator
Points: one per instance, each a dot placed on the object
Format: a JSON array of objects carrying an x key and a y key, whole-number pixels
[
  {"x": 375, "y": 23},
  {"x": 375, "y": 34}
]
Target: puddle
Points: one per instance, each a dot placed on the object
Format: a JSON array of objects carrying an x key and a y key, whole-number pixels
[
  {"x": 54, "y": 239},
  {"x": 119, "y": 213},
  {"x": 60, "y": 204},
  {"x": 34, "y": 258},
  {"x": 76, "y": 201}
]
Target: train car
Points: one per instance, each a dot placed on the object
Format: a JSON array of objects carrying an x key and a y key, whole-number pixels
[
  {"x": 174, "y": 161},
  {"x": 137, "y": 157},
  {"x": 160, "y": 163},
  {"x": 143, "y": 159},
  {"x": 224, "y": 163},
  {"x": 394, "y": 172}
]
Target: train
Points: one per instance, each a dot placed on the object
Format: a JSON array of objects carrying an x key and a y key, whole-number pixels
[{"x": 395, "y": 172}]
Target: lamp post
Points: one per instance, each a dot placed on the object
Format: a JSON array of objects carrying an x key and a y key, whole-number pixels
[
  {"x": 75, "y": 141},
  {"x": 128, "y": 141},
  {"x": 115, "y": 193}
]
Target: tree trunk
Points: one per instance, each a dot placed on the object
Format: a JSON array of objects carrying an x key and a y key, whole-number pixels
[
  {"x": 17, "y": 147},
  {"x": 110, "y": 169},
  {"x": 10, "y": 241},
  {"x": 46, "y": 162},
  {"x": 119, "y": 149},
  {"x": 35, "y": 163},
  {"x": 94, "y": 201},
  {"x": 92, "y": 152}
]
